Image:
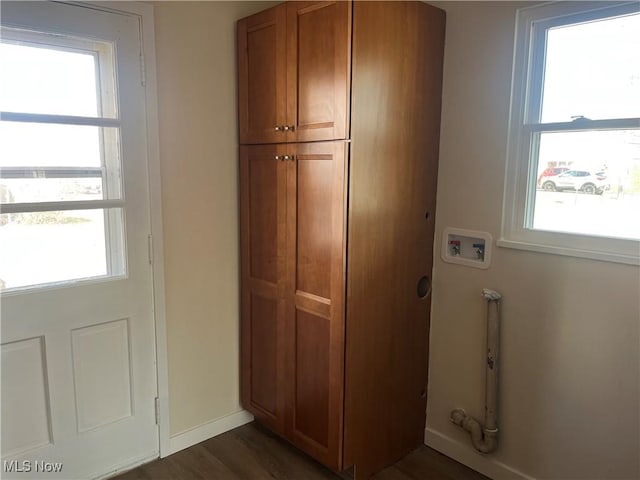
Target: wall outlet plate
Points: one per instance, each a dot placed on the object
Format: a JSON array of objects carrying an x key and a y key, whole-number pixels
[{"x": 467, "y": 247}]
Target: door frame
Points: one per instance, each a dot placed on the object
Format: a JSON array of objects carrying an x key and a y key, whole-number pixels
[{"x": 145, "y": 14}]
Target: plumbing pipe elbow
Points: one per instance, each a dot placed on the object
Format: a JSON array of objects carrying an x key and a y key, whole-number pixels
[
  {"x": 483, "y": 440},
  {"x": 487, "y": 442},
  {"x": 457, "y": 416},
  {"x": 490, "y": 295}
]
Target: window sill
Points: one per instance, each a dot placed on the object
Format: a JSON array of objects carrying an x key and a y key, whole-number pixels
[{"x": 571, "y": 252}]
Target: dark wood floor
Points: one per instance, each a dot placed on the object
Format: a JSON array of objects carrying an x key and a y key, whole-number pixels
[{"x": 251, "y": 452}]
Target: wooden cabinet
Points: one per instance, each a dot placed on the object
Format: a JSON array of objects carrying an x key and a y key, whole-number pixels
[
  {"x": 293, "y": 69},
  {"x": 336, "y": 235}
]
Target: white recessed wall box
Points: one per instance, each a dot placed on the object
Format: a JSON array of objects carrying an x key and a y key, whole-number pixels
[{"x": 467, "y": 247}]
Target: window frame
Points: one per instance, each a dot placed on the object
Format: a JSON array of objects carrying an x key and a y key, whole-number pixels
[
  {"x": 526, "y": 104},
  {"x": 111, "y": 170}
]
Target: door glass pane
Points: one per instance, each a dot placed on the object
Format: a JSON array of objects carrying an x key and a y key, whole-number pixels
[
  {"x": 48, "y": 247},
  {"x": 71, "y": 78},
  {"x": 592, "y": 69},
  {"x": 63, "y": 163},
  {"x": 588, "y": 183}
]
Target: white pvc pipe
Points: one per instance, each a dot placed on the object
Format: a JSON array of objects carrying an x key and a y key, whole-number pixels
[{"x": 485, "y": 438}]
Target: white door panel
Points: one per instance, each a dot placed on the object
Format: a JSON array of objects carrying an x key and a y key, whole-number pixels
[{"x": 78, "y": 356}]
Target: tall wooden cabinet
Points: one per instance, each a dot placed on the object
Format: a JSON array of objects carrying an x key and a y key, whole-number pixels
[{"x": 339, "y": 110}]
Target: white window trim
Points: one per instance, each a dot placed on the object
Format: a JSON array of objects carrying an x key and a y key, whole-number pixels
[{"x": 519, "y": 169}]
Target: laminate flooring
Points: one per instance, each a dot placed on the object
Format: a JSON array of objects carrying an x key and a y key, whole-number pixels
[{"x": 251, "y": 452}]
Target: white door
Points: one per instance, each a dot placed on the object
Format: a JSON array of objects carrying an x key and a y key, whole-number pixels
[{"x": 78, "y": 341}]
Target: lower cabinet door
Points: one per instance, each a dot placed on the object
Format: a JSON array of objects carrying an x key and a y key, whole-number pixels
[
  {"x": 316, "y": 217},
  {"x": 263, "y": 243}
]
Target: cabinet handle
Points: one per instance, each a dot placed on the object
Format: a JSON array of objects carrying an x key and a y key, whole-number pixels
[
  {"x": 289, "y": 157},
  {"x": 279, "y": 128},
  {"x": 289, "y": 128},
  {"x": 278, "y": 157}
]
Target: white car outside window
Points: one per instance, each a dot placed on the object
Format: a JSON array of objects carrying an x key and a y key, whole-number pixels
[{"x": 578, "y": 180}]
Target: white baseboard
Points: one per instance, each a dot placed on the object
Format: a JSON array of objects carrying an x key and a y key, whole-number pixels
[
  {"x": 205, "y": 431},
  {"x": 466, "y": 455}
]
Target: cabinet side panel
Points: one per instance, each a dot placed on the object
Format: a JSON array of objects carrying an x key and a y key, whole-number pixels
[{"x": 396, "y": 97}]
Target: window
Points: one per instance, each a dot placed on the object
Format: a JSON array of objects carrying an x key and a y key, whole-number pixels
[
  {"x": 60, "y": 169},
  {"x": 573, "y": 164}
]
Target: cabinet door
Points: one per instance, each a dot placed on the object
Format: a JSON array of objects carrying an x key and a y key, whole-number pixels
[
  {"x": 316, "y": 202},
  {"x": 318, "y": 70},
  {"x": 263, "y": 243},
  {"x": 262, "y": 76}
]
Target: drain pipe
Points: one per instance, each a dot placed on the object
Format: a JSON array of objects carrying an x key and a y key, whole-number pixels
[{"x": 485, "y": 439}]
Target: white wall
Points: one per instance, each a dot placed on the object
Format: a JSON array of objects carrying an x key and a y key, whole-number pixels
[
  {"x": 570, "y": 366},
  {"x": 196, "y": 60}
]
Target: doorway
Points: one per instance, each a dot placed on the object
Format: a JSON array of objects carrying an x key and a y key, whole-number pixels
[{"x": 79, "y": 378}]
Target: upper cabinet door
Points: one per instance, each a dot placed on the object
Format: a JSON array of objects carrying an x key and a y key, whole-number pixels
[
  {"x": 262, "y": 65},
  {"x": 318, "y": 70}
]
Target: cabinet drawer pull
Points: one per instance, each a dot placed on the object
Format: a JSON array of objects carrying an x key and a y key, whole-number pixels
[
  {"x": 289, "y": 128},
  {"x": 279, "y": 128},
  {"x": 278, "y": 157}
]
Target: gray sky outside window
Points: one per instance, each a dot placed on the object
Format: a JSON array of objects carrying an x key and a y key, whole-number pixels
[{"x": 593, "y": 70}]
